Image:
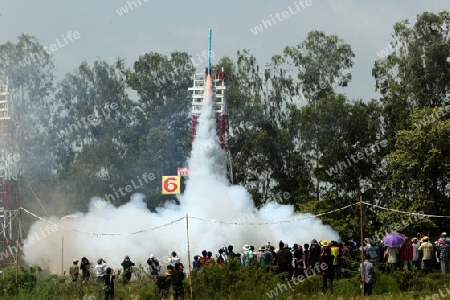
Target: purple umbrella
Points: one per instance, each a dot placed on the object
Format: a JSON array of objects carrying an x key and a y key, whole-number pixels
[{"x": 393, "y": 239}]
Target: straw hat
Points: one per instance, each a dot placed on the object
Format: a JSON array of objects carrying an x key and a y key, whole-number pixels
[
  {"x": 169, "y": 272},
  {"x": 325, "y": 243},
  {"x": 75, "y": 260},
  {"x": 425, "y": 238},
  {"x": 246, "y": 247}
]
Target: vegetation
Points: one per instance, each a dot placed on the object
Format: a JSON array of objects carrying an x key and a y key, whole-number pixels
[
  {"x": 230, "y": 282},
  {"x": 292, "y": 133}
]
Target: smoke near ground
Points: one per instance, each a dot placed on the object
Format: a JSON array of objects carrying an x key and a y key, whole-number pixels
[{"x": 133, "y": 230}]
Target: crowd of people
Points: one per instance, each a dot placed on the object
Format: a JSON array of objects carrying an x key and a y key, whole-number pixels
[{"x": 329, "y": 259}]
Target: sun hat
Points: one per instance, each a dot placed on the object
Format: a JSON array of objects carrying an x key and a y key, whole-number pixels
[
  {"x": 152, "y": 256},
  {"x": 169, "y": 272},
  {"x": 324, "y": 243},
  {"x": 246, "y": 247},
  {"x": 425, "y": 238},
  {"x": 75, "y": 260}
]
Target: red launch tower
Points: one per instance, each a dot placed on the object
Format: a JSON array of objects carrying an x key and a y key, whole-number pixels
[{"x": 9, "y": 188}]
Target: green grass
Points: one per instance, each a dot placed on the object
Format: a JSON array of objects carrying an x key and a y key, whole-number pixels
[{"x": 230, "y": 282}]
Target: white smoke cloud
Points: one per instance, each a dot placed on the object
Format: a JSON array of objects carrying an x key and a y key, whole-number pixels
[{"x": 208, "y": 195}]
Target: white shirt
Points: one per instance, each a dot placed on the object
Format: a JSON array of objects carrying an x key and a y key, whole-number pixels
[{"x": 100, "y": 269}]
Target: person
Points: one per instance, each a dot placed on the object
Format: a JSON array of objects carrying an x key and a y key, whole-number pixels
[
  {"x": 220, "y": 260},
  {"x": 406, "y": 253},
  {"x": 174, "y": 258},
  {"x": 204, "y": 259},
  {"x": 314, "y": 256},
  {"x": 374, "y": 252},
  {"x": 305, "y": 256},
  {"x": 444, "y": 254},
  {"x": 196, "y": 263},
  {"x": 244, "y": 255},
  {"x": 127, "y": 264},
  {"x": 284, "y": 259},
  {"x": 427, "y": 253},
  {"x": 73, "y": 271},
  {"x": 392, "y": 258},
  {"x": 153, "y": 263},
  {"x": 100, "y": 269},
  {"x": 327, "y": 267},
  {"x": 369, "y": 274},
  {"x": 298, "y": 261},
  {"x": 231, "y": 254},
  {"x": 85, "y": 267},
  {"x": 165, "y": 284},
  {"x": 335, "y": 251},
  {"x": 416, "y": 256},
  {"x": 177, "y": 282},
  {"x": 108, "y": 279}
]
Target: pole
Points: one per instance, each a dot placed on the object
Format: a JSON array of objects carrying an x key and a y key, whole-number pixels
[
  {"x": 62, "y": 255},
  {"x": 189, "y": 255},
  {"x": 362, "y": 246}
]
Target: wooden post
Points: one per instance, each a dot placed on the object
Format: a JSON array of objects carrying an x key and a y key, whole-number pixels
[
  {"x": 189, "y": 255},
  {"x": 362, "y": 245}
]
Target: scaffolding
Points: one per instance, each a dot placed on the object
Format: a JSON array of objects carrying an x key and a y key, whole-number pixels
[
  {"x": 220, "y": 109},
  {"x": 9, "y": 188}
]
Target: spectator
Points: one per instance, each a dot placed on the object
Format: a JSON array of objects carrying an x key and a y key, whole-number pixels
[
  {"x": 231, "y": 254},
  {"x": 196, "y": 263},
  {"x": 166, "y": 284},
  {"x": 327, "y": 267},
  {"x": 85, "y": 267},
  {"x": 174, "y": 258},
  {"x": 177, "y": 282},
  {"x": 109, "y": 283},
  {"x": 427, "y": 253},
  {"x": 100, "y": 269},
  {"x": 406, "y": 253},
  {"x": 416, "y": 256},
  {"x": 153, "y": 263},
  {"x": 204, "y": 259},
  {"x": 444, "y": 254},
  {"x": 392, "y": 259},
  {"x": 127, "y": 264},
  {"x": 314, "y": 256},
  {"x": 73, "y": 271},
  {"x": 369, "y": 275}
]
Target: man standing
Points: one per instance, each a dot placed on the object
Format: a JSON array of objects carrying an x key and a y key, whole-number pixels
[
  {"x": 127, "y": 264},
  {"x": 406, "y": 254},
  {"x": 177, "y": 282},
  {"x": 444, "y": 253},
  {"x": 100, "y": 269},
  {"x": 73, "y": 271},
  {"x": 154, "y": 265},
  {"x": 369, "y": 275},
  {"x": 416, "y": 257},
  {"x": 427, "y": 253}
]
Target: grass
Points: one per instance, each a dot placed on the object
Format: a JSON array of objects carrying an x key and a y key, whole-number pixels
[{"x": 230, "y": 282}]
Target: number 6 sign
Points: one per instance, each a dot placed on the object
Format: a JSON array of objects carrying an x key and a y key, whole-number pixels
[{"x": 170, "y": 185}]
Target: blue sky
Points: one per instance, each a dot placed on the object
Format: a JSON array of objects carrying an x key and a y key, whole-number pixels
[{"x": 166, "y": 26}]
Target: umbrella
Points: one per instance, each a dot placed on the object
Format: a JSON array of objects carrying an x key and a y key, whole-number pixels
[{"x": 393, "y": 239}]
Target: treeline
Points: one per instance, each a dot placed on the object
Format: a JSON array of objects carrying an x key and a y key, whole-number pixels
[{"x": 85, "y": 136}]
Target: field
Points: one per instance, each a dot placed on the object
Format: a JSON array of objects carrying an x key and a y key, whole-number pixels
[{"x": 230, "y": 282}]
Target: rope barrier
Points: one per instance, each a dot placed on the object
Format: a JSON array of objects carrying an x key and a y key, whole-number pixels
[
  {"x": 405, "y": 212},
  {"x": 233, "y": 222}
]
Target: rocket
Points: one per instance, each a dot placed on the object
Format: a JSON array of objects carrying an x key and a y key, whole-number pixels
[{"x": 209, "y": 51}]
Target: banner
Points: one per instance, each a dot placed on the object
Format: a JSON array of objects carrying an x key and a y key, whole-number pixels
[{"x": 170, "y": 185}]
